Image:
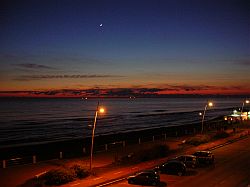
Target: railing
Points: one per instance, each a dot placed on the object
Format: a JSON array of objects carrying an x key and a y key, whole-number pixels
[{"x": 108, "y": 146}]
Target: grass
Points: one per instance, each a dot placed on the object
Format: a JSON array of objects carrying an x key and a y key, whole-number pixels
[{"x": 203, "y": 138}]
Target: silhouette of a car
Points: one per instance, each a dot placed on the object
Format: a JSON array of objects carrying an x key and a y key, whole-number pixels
[
  {"x": 189, "y": 160},
  {"x": 172, "y": 167},
  {"x": 148, "y": 177},
  {"x": 204, "y": 157}
]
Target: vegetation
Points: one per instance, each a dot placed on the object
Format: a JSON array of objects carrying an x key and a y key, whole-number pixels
[
  {"x": 198, "y": 139},
  {"x": 80, "y": 171},
  {"x": 221, "y": 134},
  {"x": 58, "y": 176},
  {"x": 61, "y": 176},
  {"x": 156, "y": 151}
]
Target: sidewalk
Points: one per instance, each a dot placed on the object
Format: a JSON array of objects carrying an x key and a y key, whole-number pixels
[
  {"x": 123, "y": 172},
  {"x": 102, "y": 165}
]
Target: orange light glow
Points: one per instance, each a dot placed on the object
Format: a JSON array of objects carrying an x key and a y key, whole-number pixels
[
  {"x": 101, "y": 110},
  {"x": 210, "y": 104}
]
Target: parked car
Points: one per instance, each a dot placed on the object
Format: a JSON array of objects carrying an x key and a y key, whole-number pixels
[
  {"x": 189, "y": 160},
  {"x": 148, "y": 177},
  {"x": 204, "y": 157},
  {"x": 172, "y": 167}
]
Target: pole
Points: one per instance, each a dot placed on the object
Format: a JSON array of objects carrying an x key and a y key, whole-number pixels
[
  {"x": 241, "y": 112},
  {"x": 202, "y": 122},
  {"x": 242, "y": 107},
  {"x": 93, "y": 135}
]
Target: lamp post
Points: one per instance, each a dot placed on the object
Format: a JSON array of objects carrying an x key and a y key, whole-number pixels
[
  {"x": 101, "y": 110},
  {"x": 209, "y": 104},
  {"x": 243, "y": 104}
]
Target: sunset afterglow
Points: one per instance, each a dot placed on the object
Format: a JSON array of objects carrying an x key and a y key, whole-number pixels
[{"x": 124, "y": 48}]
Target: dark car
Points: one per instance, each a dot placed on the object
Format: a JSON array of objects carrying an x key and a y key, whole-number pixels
[
  {"x": 172, "y": 167},
  {"x": 204, "y": 157},
  {"x": 189, "y": 160},
  {"x": 149, "y": 177}
]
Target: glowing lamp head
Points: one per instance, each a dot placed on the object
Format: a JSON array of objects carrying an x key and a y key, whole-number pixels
[
  {"x": 210, "y": 104},
  {"x": 247, "y": 101},
  {"x": 101, "y": 110},
  {"x": 200, "y": 113}
]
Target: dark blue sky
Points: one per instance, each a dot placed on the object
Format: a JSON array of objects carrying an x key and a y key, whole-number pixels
[{"x": 141, "y": 43}]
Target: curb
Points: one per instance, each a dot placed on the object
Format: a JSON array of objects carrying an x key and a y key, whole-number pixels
[
  {"x": 229, "y": 142},
  {"x": 212, "y": 148}
]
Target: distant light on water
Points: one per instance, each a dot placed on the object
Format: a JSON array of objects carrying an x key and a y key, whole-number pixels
[{"x": 61, "y": 119}]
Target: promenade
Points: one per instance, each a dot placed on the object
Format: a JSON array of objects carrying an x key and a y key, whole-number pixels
[{"x": 103, "y": 164}]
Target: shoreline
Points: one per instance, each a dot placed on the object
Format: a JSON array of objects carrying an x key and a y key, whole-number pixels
[{"x": 74, "y": 147}]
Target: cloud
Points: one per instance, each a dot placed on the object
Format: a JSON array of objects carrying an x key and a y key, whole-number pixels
[
  {"x": 119, "y": 92},
  {"x": 188, "y": 87},
  {"x": 48, "y": 93},
  {"x": 93, "y": 91},
  {"x": 33, "y": 66},
  {"x": 126, "y": 92},
  {"x": 40, "y": 77},
  {"x": 31, "y": 58},
  {"x": 244, "y": 62},
  {"x": 133, "y": 91}
]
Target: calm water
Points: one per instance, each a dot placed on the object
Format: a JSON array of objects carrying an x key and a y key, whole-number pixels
[{"x": 24, "y": 121}]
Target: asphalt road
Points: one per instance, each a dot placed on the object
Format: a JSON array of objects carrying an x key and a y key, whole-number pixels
[{"x": 231, "y": 169}]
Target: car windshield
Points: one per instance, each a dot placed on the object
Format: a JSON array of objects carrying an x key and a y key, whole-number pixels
[{"x": 202, "y": 154}]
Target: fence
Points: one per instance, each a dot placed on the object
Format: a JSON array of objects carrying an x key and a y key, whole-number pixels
[{"x": 98, "y": 147}]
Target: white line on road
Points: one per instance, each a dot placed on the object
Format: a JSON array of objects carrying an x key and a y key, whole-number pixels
[
  {"x": 98, "y": 178},
  {"x": 75, "y": 184},
  {"x": 112, "y": 182},
  {"x": 117, "y": 172},
  {"x": 40, "y": 174}
]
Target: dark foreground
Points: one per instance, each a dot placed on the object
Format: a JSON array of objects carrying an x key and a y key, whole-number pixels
[
  {"x": 231, "y": 169},
  {"x": 24, "y": 176}
]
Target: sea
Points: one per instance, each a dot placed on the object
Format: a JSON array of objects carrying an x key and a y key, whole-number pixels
[{"x": 26, "y": 121}]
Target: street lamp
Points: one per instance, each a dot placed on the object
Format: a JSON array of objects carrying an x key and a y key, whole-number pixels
[
  {"x": 243, "y": 104},
  {"x": 98, "y": 110},
  {"x": 209, "y": 104}
]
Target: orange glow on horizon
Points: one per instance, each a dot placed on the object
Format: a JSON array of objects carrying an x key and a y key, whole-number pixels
[{"x": 125, "y": 92}]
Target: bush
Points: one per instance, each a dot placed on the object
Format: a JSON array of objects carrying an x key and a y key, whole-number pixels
[
  {"x": 80, "y": 171},
  {"x": 150, "y": 153},
  {"x": 58, "y": 176},
  {"x": 221, "y": 134},
  {"x": 161, "y": 150},
  {"x": 64, "y": 175},
  {"x": 156, "y": 151},
  {"x": 198, "y": 139}
]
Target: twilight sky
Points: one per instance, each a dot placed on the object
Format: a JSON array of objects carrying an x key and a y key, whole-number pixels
[{"x": 124, "y": 47}]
